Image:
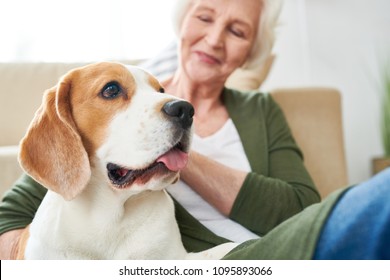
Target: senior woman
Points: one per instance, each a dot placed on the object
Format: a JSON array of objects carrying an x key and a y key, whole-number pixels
[{"x": 245, "y": 175}]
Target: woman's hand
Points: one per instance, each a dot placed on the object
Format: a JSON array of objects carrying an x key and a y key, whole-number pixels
[{"x": 215, "y": 182}]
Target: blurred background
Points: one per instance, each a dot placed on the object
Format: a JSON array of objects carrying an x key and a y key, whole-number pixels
[{"x": 334, "y": 43}]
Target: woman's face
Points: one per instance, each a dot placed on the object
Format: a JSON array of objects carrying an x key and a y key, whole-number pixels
[{"x": 217, "y": 36}]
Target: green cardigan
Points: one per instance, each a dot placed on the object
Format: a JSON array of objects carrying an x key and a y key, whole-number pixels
[{"x": 277, "y": 188}]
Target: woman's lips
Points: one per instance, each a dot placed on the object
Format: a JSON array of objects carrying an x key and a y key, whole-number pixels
[{"x": 204, "y": 57}]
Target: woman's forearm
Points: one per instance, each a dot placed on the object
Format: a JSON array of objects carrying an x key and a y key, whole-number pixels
[
  {"x": 250, "y": 198},
  {"x": 216, "y": 183},
  {"x": 8, "y": 244}
]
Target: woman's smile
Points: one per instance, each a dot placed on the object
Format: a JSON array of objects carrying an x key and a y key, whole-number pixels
[{"x": 207, "y": 58}]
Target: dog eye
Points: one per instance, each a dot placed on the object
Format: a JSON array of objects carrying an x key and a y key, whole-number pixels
[
  {"x": 161, "y": 90},
  {"x": 110, "y": 91}
]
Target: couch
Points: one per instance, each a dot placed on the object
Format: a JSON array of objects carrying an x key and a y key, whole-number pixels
[{"x": 314, "y": 115}]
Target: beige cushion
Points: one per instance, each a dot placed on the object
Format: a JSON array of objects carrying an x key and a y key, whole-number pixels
[
  {"x": 314, "y": 116},
  {"x": 22, "y": 87},
  {"x": 9, "y": 167}
]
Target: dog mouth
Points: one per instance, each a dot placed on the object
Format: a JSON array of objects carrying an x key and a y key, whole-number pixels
[{"x": 171, "y": 161}]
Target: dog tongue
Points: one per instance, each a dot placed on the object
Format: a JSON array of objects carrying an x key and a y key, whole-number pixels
[{"x": 174, "y": 159}]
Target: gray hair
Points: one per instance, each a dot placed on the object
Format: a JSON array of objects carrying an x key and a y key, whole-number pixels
[{"x": 264, "y": 40}]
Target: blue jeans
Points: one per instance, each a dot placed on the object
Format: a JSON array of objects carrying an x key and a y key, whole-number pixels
[{"x": 359, "y": 225}]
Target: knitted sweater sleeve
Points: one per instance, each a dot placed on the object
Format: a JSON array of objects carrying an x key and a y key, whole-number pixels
[
  {"x": 20, "y": 204},
  {"x": 279, "y": 185}
]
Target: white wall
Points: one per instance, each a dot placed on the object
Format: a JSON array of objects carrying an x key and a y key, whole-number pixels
[
  {"x": 83, "y": 31},
  {"x": 342, "y": 44}
]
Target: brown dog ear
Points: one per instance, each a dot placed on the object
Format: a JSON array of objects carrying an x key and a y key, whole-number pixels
[{"x": 52, "y": 151}]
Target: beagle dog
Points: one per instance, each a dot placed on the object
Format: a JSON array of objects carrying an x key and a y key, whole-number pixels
[{"x": 106, "y": 142}]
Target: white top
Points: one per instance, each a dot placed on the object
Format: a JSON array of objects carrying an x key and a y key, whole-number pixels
[{"x": 225, "y": 147}]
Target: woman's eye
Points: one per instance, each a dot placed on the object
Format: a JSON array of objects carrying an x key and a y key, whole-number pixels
[
  {"x": 204, "y": 18},
  {"x": 238, "y": 33},
  {"x": 111, "y": 90}
]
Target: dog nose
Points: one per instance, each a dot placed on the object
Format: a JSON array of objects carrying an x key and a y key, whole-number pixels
[{"x": 180, "y": 111}]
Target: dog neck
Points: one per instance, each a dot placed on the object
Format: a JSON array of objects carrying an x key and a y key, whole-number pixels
[
  {"x": 100, "y": 199},
  {"x": 100, "y": 221}
]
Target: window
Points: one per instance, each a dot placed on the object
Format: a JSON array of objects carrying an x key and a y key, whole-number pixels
[{"x": 83, "y": 30}]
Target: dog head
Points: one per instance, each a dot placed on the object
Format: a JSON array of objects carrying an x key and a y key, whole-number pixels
[{"x": 110, "y": 119}]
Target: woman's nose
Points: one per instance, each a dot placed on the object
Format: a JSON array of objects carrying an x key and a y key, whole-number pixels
[{"x": 215, "y": 36}]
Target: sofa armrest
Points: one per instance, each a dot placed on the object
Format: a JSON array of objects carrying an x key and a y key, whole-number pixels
[{"x": 10, "y": 169}]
